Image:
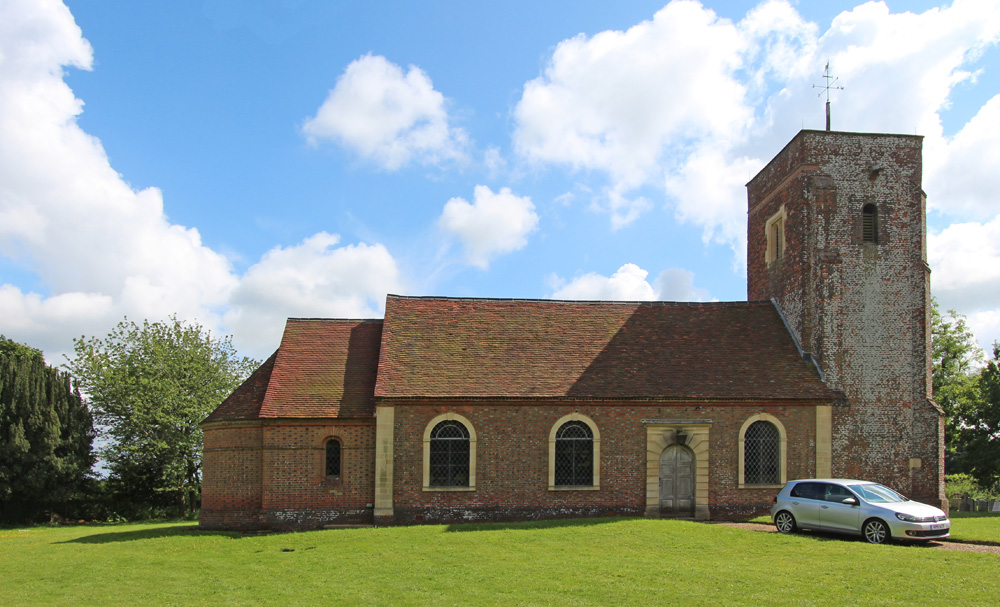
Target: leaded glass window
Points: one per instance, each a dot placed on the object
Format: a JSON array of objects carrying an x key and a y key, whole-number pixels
[
  {"x": 574, "y": 454},
  {"x": 762, "y": 454},
  {"x": 449, "y": 455},
  {"x": 333, "y": 457}
]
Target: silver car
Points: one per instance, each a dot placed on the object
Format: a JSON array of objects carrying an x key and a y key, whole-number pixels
[{"x": 873, "y": 511}]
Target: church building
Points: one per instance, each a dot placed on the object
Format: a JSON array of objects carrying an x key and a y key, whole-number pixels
[{"x": 455, "y": 410}]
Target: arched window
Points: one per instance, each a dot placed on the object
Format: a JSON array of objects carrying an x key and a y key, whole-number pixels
[
  {"x": 449, "y": 455},
  {"x": 869, "y": 224},
  {"x": 762, "y": 452},
  {"x": 333, "y": 457},
  {"x": 574, "y": 453}
]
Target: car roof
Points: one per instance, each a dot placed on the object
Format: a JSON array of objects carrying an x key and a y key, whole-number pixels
[{"x": 842, "y": 481}]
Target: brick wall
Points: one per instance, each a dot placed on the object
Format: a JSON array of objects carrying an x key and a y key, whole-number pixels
[
  {"x": 273, "y": 474},
  {"x": 513, "y": 451},
  {"x": 861, "y": 309}
]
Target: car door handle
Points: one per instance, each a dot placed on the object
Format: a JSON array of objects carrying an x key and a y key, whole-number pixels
[{"x": 824, "y": 507}]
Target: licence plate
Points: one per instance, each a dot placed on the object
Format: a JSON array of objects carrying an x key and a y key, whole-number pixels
[{"x": 939, "y": 526}]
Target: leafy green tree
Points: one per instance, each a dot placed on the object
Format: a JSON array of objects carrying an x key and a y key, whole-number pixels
[
  {"x": 980, "y": 427},
  {"x": 150, "y": 386},
  {"x": 46, "y": 435},
  {"x": 956, "y": 362}
]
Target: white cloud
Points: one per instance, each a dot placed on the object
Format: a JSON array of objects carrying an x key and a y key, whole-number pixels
[
  {"x": 101, "y": 250},
  {"x": 629, "y": 284},
  {"x": 622, "y": 209},
  {"x": 494, "y": 224},
  {"x": 618, "y": 101},
  {"x": 965, "y": 258},
  {"x": 966, "y": 181},
  {"x": 710, "y": 190},
  {"x": 675, "y": 284},
  {"x": 312, "y": 279},
  {"x": 386, "y": 116},
  {"x": 692, "y": 103}
]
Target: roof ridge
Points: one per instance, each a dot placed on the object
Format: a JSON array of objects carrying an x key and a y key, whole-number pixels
[
  {"x": 319, "y": 319},
  {"x": 570, "y": 301}
]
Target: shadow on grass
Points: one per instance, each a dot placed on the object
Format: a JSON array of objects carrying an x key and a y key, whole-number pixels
[
  {"x": 150, "y": 533},
  {"x": 546, "y": 524}
]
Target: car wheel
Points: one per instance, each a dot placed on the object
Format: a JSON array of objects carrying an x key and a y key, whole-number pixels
[
  {"x": 876, "y": 532},
  {"x": 785, "y": 522}
]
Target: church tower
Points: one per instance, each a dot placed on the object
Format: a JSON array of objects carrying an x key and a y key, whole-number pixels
[{"x": 836, "y": 238}]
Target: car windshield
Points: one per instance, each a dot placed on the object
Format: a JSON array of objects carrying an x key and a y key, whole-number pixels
[{"x": 878, "y": 494}]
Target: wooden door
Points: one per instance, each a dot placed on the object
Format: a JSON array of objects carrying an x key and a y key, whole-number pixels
[{"x": 677, "y": 481}]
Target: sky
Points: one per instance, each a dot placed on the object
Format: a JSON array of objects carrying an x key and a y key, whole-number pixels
[{"x": 236, "y": 163}]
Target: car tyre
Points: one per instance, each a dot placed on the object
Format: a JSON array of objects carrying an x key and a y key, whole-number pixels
[
  {"x": 785, "y": 522},
  {"x": 875, "y": 531}
]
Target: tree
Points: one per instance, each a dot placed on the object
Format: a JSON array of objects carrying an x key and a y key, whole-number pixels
[
  {"x": 956, "y": 361},
  {"x": 150, "y": 386},
  {"x": 46, "y": 435},
  {"x": 980, "y": 426}
]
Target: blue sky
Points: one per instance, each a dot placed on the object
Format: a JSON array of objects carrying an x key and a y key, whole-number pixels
[{"x": 237, "y": 163}]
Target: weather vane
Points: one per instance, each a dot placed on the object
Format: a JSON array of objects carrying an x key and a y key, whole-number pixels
[{"x": 827, "y": 87}]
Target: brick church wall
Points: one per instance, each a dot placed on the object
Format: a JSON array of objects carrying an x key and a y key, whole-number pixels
[
  {"x": 513, "y": 452},
  {"x": 231, "y": 476},
  {"x": 273, "y": 475}
]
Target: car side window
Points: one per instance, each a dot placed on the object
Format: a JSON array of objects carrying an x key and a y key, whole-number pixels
[
  {"x": 836, "y": 493},
  {"x": 809, "y": 491}
]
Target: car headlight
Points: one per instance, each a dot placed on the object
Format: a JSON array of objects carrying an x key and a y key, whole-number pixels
[{"x": 909, "y": 518}]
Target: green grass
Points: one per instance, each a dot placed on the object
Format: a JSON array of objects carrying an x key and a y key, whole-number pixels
[
  {"x": 975, "y": 526},
  {"x": 610, "y": 561}
]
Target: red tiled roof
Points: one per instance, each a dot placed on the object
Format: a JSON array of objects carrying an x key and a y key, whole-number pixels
[
  {"x": 482, "y": 348},
  {"x": 324, "y": 368},
  {"x": 245, "y": 401}
]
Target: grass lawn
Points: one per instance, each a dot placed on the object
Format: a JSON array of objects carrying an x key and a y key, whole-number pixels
[
  {"x": 609, "y": 561},
  {"x": 975, "y": 526}
]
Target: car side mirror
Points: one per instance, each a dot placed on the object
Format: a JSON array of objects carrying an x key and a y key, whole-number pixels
[{"x": 850, "y": 500}]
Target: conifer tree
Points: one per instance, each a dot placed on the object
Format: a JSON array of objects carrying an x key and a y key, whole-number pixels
[{"x": 46, "y": 435}]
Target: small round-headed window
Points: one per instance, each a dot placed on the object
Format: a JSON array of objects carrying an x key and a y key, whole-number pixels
[
  {"x": 333, "y": 457},
  {"x": 762, "y": 454},
  {"x": 574, "y": 455},
  {"x": 449, "y": 455}
]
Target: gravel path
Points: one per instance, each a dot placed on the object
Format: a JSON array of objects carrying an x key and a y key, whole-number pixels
[{"x": 948, "y": 544}]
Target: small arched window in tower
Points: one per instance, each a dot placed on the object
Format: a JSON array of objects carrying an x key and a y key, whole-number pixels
[
  {"x": 333, "y": 457},
  {"x": 774, "y": 233},
  {"x": 869, "y": 224}
]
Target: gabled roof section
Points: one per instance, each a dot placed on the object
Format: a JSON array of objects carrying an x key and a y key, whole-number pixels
[
  {"x": 324, "y": 369},
  {"x": 489, "y": 348},
  {"x": 245, "y": 401}
]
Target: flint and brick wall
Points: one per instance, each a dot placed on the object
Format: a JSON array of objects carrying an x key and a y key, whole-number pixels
[{"x": 861, "y": 309}]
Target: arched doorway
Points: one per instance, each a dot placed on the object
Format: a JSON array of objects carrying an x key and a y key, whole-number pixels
[{"x": 677, "y": 482}]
